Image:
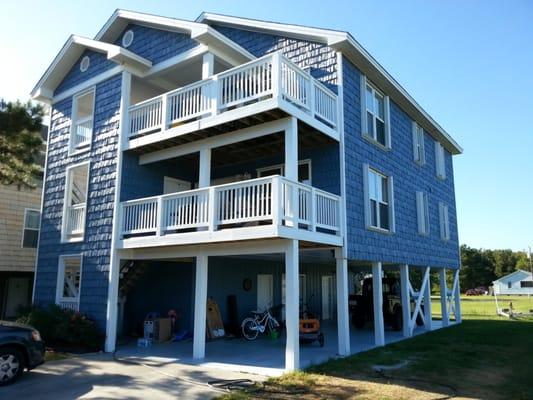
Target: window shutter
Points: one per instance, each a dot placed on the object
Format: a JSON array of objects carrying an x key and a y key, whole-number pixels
[
  {"x": 391, "y": 204},
  {"x": 420, "y": 212},
  {"x": 387, "y": 122},
  {"x": 364, "y": 128},
  {"x": 414, "y": 127},
  {"x": 366, "y": 194}
]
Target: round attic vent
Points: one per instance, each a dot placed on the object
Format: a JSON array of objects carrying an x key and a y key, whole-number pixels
[
  {"x": 84, "y": 65},
  {"x": 127, "y": 39}
]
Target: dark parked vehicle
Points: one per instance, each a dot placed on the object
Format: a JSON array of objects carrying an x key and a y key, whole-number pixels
[
  {"x": 362, "y": 305},
  {"x": 20, "y": 347}
]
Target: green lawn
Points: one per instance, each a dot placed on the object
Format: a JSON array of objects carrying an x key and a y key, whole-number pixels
[{"x": 486, "y": 357}]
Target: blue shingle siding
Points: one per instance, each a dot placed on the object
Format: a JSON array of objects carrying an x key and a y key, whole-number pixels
[
  {"x": 319, "y": 59},
  {"x": 98, "y": 229},
  {"x": 98, "y": 64},
  {"x": 405, "y": 245},
  {"x": 157, "y": 45}
]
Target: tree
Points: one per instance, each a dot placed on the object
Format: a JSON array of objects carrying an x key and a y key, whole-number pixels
[
  {"x": 523, "y": 262},
  {"x": 20, "y": 143},
  {"x": 477, "y": 268},
  {"x": 504, "y": 261}
]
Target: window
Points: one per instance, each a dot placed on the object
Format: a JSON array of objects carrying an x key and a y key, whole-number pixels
[
  {"x": 82, "y": 121},
  {"x": 526, "y": 284},
  {"x": 440, "y": 161},
  {"x": 127, "y": 39},
  {"x": 304, "y": 171},
  {"x": 76, "y": 185},
  {"x": 84, "y": 64},
  {"x": 419, "y": 155},
  {"x": 509, "y": 285},
  {"x": 422, "y": 213},
  {"x": 375, "y": 114},
  {"x": 379, "y": 200},
  {"x": 444, "y": 222},
  {"x": 30, "y": 233},
  {"x": 69, "y": 281}
]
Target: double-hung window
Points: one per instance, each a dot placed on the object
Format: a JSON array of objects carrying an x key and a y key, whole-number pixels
[
  {"x": 30, "y": 233},
  {"x": 422, "y": 213},
  {"x": 69, "y": 281},
  {"x": 76, "y": 185},
  {"x": 379, "y": 198},
  {"x": 440, "y": 161},
  {"x": 444, "y": 222},
  {"x": 81, "y": 131},
  {"x": 419, "y": 154},
  {"x": 375, "y": 114}
]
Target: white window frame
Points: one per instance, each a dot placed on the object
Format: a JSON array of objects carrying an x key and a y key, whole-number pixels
[
  {"x": 440, "y": 161},
  {"x": 422, "y": 213},
  {"x": 444, "y": 219},
  {"x": 372, "y": 137},
  {"x": 75, "y": 301},
  {"x": 24, "y": 228},
  {"x": 307, "y": 161},
  {"x": 390, "y": 188},
  {"x": 419, "y": 151},
  {"x": 85, "y": 146},
  {"x": 68, "y": 179}
]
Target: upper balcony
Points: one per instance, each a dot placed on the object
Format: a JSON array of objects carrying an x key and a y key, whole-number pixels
[
  {"x": 263, "y": 208},
  {"x": 267, "y": 88}
]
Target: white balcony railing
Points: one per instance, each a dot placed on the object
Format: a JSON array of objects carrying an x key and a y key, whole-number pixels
[
  {"x": 69, "y": 304},
  {"x": 75, "y": 219},
  {"x": 267, "y": 77},
  {"x": 275, "y": 200},
  {"x": 82, "y": 132}
]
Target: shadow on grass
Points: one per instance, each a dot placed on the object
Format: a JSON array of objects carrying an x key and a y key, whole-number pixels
[{"x": 489, "y": 359}]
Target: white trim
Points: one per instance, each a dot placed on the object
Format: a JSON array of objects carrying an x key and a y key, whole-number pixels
[
  {"x": 31, "y": 229},
  {"x": 372, "y": 137},
  {"x": 66, "y": 198},
  {"x": 390, "y": 201},
  {"x": 74, "y": 120},
  {"x": 342, "y": 159},
  {"x": 85, "y": 63},
  {"x": 127, "y": 38},
  {"x": 61, "y": 278},
  {"x": 308, "y": 161},
  {"x": 377, "y": 296},
  {"x": 176, "y": 60}
]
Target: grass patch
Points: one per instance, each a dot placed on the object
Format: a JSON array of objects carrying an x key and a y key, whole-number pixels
[
  {"x": 51, "y": 355},
  {"x": 486, "y": 357}
]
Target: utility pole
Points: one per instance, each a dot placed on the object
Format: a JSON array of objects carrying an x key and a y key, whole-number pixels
[{"x": 529, "y": 257}]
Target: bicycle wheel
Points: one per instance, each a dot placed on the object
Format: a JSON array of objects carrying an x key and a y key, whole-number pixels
[{"x": 250, "y": 329}]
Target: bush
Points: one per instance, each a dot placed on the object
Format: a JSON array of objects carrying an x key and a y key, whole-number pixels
[{"x": 63, "y": 328}]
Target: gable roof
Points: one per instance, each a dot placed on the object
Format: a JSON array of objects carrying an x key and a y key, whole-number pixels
[
  {"x": 344, "y": 42},
  {"x": 71, "y": 52},
  {"x": 513, "y": 275},
  {"x": 203, "y": 33}
]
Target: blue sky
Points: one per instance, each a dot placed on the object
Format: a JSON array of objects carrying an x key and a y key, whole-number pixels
[{"x": 468, "y": 63}]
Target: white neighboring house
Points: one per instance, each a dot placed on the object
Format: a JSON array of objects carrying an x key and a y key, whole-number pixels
[{"x": 518, "y": 282}]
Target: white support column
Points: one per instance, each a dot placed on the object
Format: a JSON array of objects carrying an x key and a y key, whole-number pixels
[
  {"x": 114, "y": 267},
  {"x": 377, "y": 293},
  {"x": 427, "y": 300},
  {"x": 204, "y": 178},
  {"x": 208, "y": 65},
  {"x": 292, "y": 305},
  {"x": 405, "y": 299},
  {"x": 444, "y": 297},
  {"x": 291, "y": 169},
  {"x": 343, "y": 324},
  {"x": 200, "y": 308},
  {"x": 457, "y": 298}
]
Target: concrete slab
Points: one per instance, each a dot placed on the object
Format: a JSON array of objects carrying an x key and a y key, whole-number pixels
[{"x": 263, "y": 356}]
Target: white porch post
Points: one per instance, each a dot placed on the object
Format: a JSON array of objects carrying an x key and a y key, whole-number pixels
[
  {"x": 292, "y": 303},
  {"x": 427, "y": 301},
  {"x": 444, "y": 297},
  {"x": 343, "y": 325},
  {"x": 457, "y": 298},
  {"x": 112, "y": 304},
  {"x": 405, "y": 294},
  {"x": 291, "y": 169},
  {"x": 204, "y": 178},
  {"x": 208, "y": 65},
  {"x": 377, "y": 293},
  {"x": 200, "y": 308}
]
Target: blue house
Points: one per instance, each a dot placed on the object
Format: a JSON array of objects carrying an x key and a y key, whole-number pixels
[{"x": 272, "y": 163}]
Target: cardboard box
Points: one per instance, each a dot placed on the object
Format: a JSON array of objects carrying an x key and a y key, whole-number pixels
[{"x": 158, "y": 329}]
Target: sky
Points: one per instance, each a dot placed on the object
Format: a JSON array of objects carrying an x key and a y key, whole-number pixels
[{"x": 468, "y": 63}]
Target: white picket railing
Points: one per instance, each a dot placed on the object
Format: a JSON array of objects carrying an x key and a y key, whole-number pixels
[
  {"x": 267, "y": 77},
  {"x": 82, "y": 133},
  {"x": 76, "y": 219},
  {"x": 223, "y": 206},
  {"x": 73, "y": 304}
]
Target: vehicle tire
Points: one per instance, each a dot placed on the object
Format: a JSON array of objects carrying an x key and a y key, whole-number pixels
[
  {"x": 249, "y": 329},
  {"x": 11, "y": 365},
  {"x": 397, "y": 319},
  {"x": 358, "y": 318},
  {"x": 321, "y": 339}
]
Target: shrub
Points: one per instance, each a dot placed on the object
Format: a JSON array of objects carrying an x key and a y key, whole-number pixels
[{"x": 64, "y": 328}]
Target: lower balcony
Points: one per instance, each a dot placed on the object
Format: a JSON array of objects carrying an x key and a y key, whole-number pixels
[{"x": 263, "y": 208}]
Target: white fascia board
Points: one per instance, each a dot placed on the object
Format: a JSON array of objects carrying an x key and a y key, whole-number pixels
[{"x": 227, "y": 48}]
